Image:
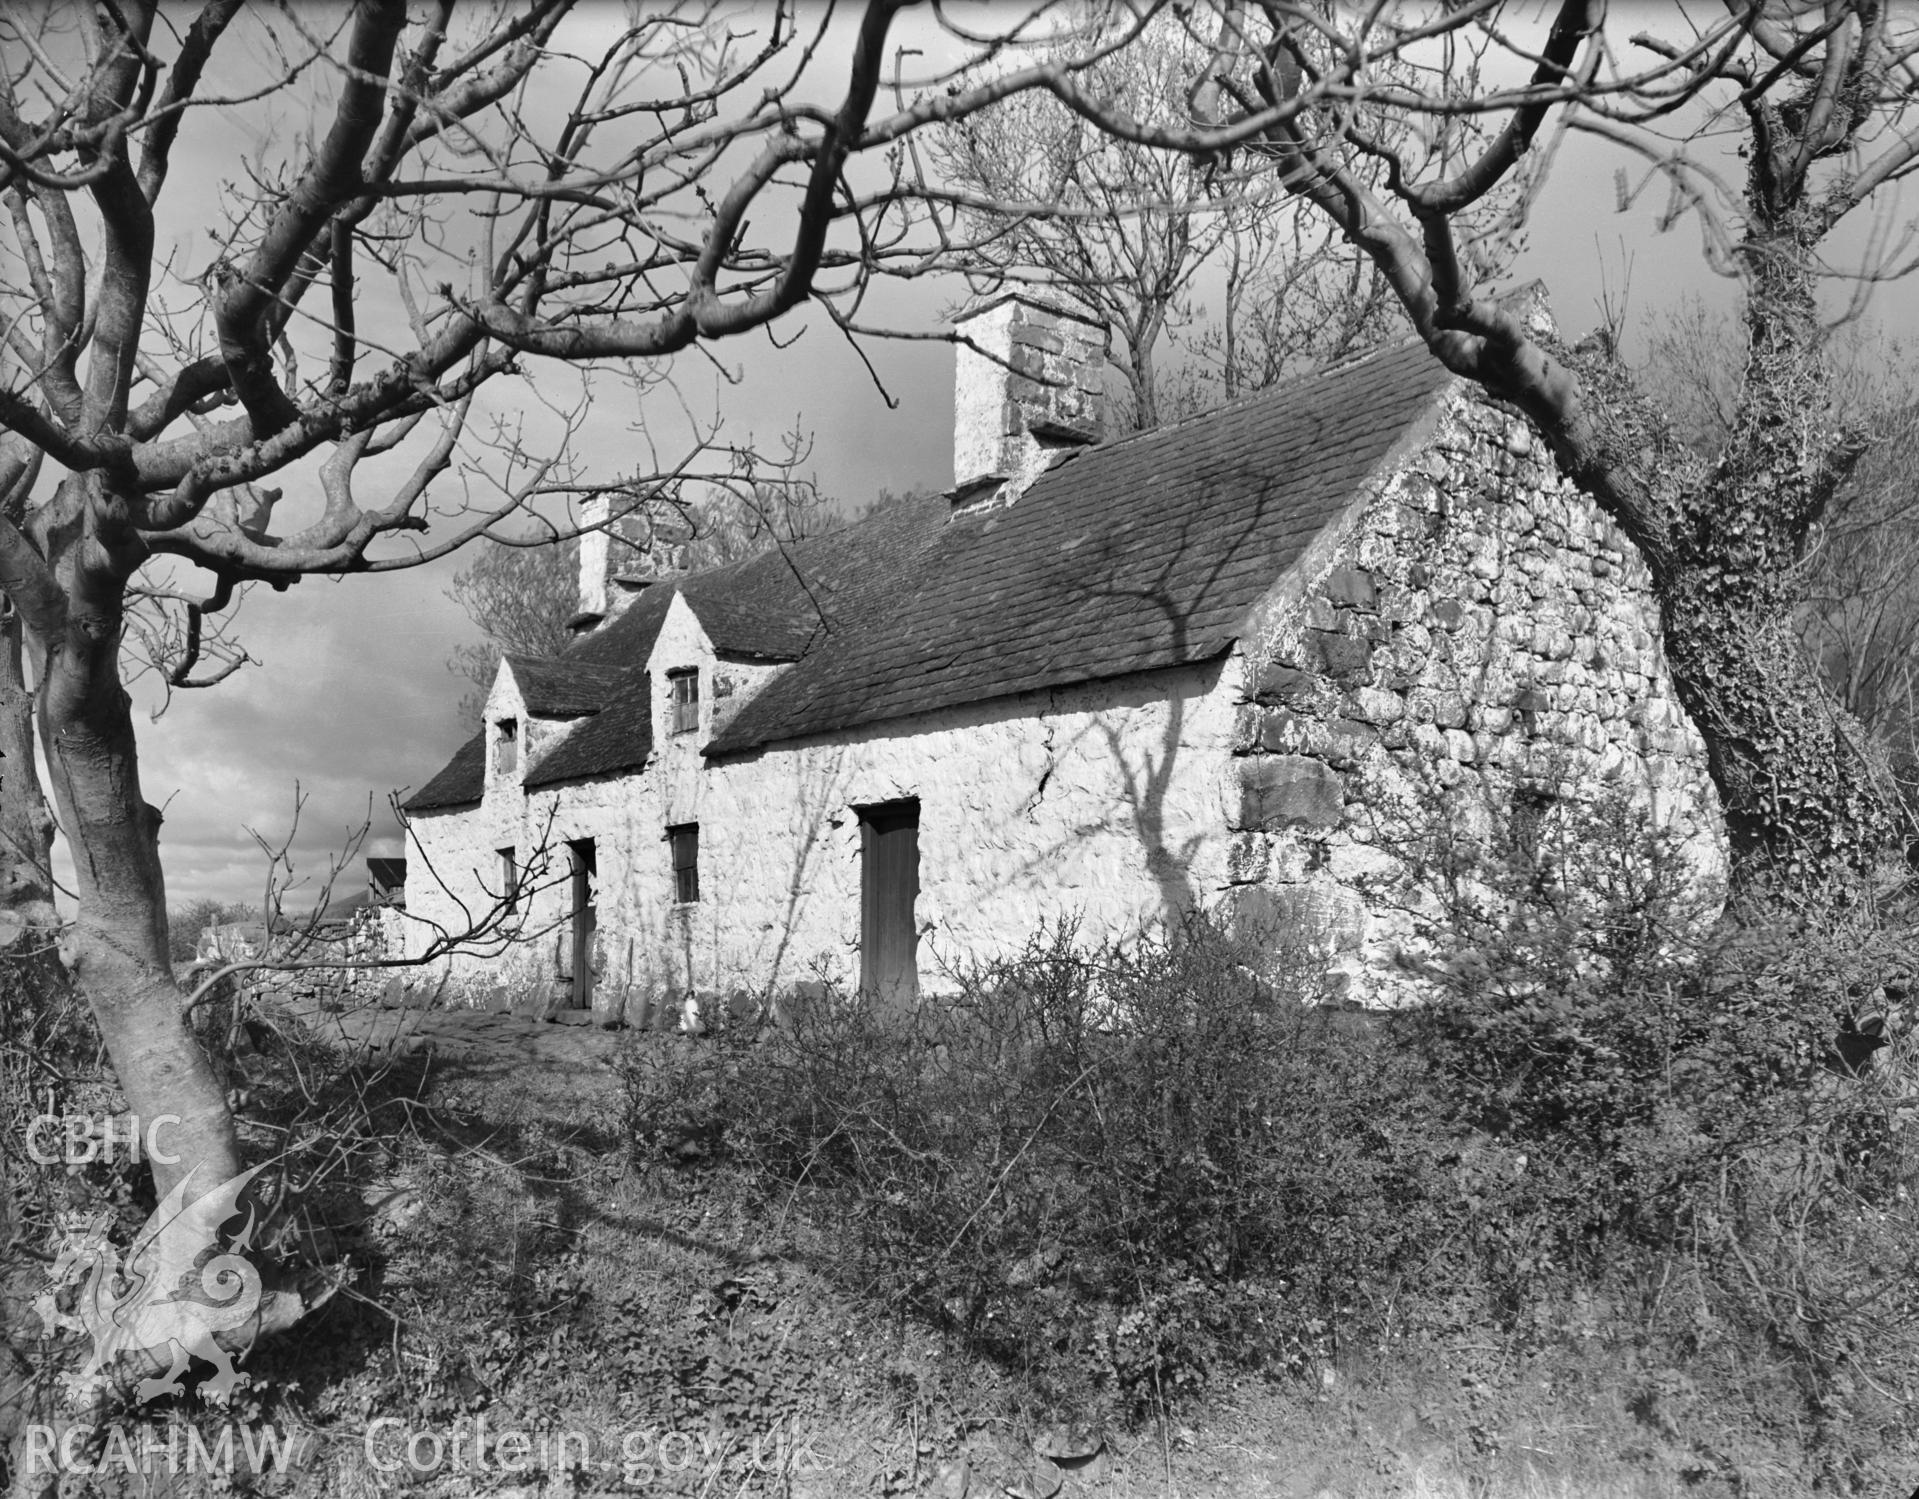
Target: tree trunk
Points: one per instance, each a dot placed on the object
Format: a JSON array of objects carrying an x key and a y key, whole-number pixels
[
  {"x": 1807, "y": 794},
  {"x": 1806, "y": 791},
  {"x": 119, "y": 943},
  {"x": 26, "y": 827},
  {"x": 1140, "y": 377}
]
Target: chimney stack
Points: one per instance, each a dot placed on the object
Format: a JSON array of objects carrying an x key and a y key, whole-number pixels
[
  {"x": 595, "y": 545},
  {"x": 615, "y": 563},
  {"x": 1039, "y": 393}
]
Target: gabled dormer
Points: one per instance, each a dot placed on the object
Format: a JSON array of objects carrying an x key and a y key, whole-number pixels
[
  {"x": 534, "y": 703},
  {"x": 503, "y": 733},
  {"x": 681, "y": 669}
]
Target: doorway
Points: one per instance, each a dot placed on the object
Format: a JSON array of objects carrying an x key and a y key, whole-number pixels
[
  {"x": 889, "y": 886},
  {"x": 584, "y": 922}
]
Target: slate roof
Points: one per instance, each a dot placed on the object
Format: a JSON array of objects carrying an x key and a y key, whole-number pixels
[
  {"x": 563, "y": 689},
  {"x": 458, "y": 783},
  {"x": 1138, "y": 554},
  {"x": 617, "y": 737},
  {"x": 1144, "y": 553}
]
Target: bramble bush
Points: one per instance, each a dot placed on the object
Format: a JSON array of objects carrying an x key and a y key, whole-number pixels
[
  {"x": 1117, "y": 1169},
  {"x": 1618, "y": 1131},
  {"x": 1695, "y": 1148}
]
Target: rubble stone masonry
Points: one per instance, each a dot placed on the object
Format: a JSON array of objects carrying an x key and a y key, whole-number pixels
[{"x": 1476, "y": 631}]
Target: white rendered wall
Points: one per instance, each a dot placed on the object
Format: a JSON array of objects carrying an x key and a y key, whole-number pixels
[{"x": 1103, "y": 802}]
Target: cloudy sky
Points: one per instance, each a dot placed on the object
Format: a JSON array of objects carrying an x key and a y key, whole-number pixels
[
  {"x": 352, "y": 698},
  {"x": 352, "y": 701}
]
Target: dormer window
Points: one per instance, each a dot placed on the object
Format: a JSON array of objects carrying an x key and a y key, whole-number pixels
[
  {"x": 685, "y": 687},
  {"x": 506, "y": 746}
]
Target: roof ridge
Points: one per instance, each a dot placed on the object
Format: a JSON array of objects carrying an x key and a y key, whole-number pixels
[
  {"x": 1287, "y": 386},
  {"x": 1290, "y": 385}
]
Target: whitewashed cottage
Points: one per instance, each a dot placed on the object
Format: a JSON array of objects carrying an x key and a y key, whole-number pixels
[{"x": 1107, "y": 681}]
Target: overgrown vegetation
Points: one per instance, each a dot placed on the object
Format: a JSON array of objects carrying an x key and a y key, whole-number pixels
[
  {"x": 1712, "y": 1151},
  {"x": 1620, "y": 1137},
  {"x": 1634, "y": 1185},
  {"x": 1118, "y": 1171}
]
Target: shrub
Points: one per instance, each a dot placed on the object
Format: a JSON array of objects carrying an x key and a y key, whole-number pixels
[
  {"x": 1119, "y": 1170},
  {"x": 186, "y": 924},
  {"x": 1691, "y": 1144}
]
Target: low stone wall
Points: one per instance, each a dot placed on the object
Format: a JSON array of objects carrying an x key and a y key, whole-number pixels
[
  {"x": 1479, "y": 632},
  {"x": 369, "y": 936}
]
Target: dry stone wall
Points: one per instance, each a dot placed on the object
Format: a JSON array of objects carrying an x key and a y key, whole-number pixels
[{"x": 1477, "y": 631}]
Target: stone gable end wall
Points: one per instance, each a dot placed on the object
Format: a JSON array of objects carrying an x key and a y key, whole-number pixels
[{"x": 1478, "y": 627}]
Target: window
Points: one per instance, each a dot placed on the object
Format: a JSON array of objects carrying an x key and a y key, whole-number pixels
[
  {"x": 506, "y": 746},
  {"x": 509, "y": 880},
  {"x": 684, "y": 841},
  {"x": 686, "y": 700}
]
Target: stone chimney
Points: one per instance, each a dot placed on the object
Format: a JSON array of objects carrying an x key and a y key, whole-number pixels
[
  {"x": 594, "y": 548},
  {"x": 618, "y": 560},
  {"x": 1039, "y": 393}
]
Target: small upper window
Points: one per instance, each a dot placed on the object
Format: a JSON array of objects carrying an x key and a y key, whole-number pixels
[
  {"x": 685, "y": 843},
  {"x": 506, "y": 746},
  {"x": 686, "y": 700}
]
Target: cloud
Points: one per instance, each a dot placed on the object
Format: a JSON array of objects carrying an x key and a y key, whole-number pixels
[
  {"x": 351, "y": 701},
  {"x": 352, "y": 698}
]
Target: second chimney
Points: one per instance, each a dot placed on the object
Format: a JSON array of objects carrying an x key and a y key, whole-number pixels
[
  {"x": 1040, "y": 392},
  {"x": 615, "y": 566}
]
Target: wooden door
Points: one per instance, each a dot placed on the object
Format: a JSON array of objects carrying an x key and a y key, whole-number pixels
[
  {"x": 889, "y": 884},
  {"x": 585, "y": 921}
]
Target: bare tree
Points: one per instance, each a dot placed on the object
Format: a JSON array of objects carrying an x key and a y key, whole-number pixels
[
  {"x": 1295, "y": 296},
  {"x": 445, "y": 229},
  {"x": 1825, "y": 100},
  {"x": 441, "y": 229},
  {"x": 520, "y": 598},
  {"x": 1147, "y": 241},
  {"x": 1120, "y": 230}
]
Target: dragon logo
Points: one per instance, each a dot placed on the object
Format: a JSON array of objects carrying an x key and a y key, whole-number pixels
[{"x": 176, "y": 1289}]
